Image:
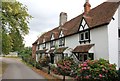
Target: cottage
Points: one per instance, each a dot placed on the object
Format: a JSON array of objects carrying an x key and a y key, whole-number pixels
[{"x": 92, "y": 35}]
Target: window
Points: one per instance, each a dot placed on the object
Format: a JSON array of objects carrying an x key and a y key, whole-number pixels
[
  {"x": 80, "y": 57},
  {"x": 87, "y": 35},
  {"x": 84, "y": 57},
  {"x": 84, "y": 36},
  {"x": 61, "y": 42},
  {"x": 84, "y": 32},
  {"x": 119, "y": 32},
  {"x": 52, "y": 44},
  {"x": 44, "y": 45},
  {"x": 91, "y": 56}
]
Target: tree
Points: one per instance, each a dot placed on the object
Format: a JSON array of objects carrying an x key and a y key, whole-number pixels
[
  {"x": 17, "y": 41},
  {"x": 7, "y": 42},
  {"x": 15, "y": 19}
]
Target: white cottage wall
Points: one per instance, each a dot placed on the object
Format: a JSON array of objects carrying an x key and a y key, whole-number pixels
[
  {"x": 48, "y": 46},
  {"x": 119, "y": 38},
  {"x": 99, "y": 37},
  {"x": 72, "y": 41},
  {"x": 113, "y": 39}
]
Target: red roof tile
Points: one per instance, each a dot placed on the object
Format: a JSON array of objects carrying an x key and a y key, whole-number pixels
[
  {"x": 82, "y": 48},
  {"x": 99, "y": 15},
  {"x": 60, "y": 50}
]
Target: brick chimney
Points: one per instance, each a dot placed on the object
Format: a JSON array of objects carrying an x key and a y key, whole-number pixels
[
  {"x": 63, "y": 18},
  {"x": 87, "y": 7}
]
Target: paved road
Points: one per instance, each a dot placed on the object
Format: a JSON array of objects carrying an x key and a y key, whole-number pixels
[{"x": 17, "y": 70}]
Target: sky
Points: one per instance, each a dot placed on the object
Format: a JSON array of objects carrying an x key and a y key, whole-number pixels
[{"x": 46, "y": 14}]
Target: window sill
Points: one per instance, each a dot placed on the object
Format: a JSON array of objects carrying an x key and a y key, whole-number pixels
[
  {"x": 84, "y": 41},
  {"x": 44, "y": 47},
  {"x": 52, "y": 46},
  {"x": 61, "y": 45}
]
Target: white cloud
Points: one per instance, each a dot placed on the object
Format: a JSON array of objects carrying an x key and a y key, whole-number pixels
[{"x": 46, "y": 14}]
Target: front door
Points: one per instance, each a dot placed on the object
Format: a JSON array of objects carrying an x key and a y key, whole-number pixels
[{"x": 52, "y": 58}]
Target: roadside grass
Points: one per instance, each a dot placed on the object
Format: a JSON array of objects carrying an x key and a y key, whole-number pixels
[
  {"x": 3, "y": 67},
  {"x": 11, "y": 57}
]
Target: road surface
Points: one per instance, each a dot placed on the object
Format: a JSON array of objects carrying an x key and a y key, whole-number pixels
[{"x": 17, "y": 70}]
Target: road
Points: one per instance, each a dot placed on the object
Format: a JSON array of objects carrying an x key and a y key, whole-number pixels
[{"x": 17, "y": 70}]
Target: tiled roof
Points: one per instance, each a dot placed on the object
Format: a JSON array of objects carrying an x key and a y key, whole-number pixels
[
  {"x": 82, "y": 48},
  {"x": 100, "y": 15},
  {"x": 51, "y": 51},
  {"x": 41, "y": 51},
  {"x": 60, "y": 50}
]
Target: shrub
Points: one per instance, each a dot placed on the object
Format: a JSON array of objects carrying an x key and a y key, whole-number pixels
[
  {"x": 64, "y": 67},
  {"x": 54, "y": 68},
  {"x": 38, "y": 66},
  {"x": 44, "y": 61},
  {"x": 100, "y": 70}
]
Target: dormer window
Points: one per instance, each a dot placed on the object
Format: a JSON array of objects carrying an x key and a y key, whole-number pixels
[
  {"x": 44, "y": 44},
  {"x": 84, "y": 35},
  {"x": 52, "y": 43},
  {"x": 62, "y": 39},
  {"x": 83, "y": 25}
]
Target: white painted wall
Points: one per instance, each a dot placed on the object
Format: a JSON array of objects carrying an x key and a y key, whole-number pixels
[
  {"x": 48, "y": 46},
  {"x": 99, "y": 37},
  {"x": 72, "y": 41},
  {"x": 119, "y": 38},
  {"x": 113, "y": 40}
]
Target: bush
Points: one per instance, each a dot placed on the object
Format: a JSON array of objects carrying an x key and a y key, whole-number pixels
[
  {"x": 44, "y": 61},
  {"x": 38, "y": 66},
  {"x": 64, "y": 66},
  {"x": 54, "y": 68},
  {"x": 100, "y": 70}
]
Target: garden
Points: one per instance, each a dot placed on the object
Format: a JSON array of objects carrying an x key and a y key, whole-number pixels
[{"x": 89, "y": 70}]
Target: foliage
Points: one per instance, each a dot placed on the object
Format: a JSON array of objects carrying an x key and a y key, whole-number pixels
[
  {"x": 38, "y": 66},
  {"x": 6, "y": 42},
  {"x": 100, "y": 70},
  {"x": 64, "y": 66},
  {"x": 17, "y": 41},
  {"x": 26, "y": 53},
  {"x": 44, "y": 61},
  {"x": 54, "y": 68},
  {"x": 15, "y": 19}
]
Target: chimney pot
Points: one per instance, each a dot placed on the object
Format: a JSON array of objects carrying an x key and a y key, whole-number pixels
[{"x": 87, "y": 7}]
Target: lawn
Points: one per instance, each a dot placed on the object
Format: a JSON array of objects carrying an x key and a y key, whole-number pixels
[{"x": 3, "y": 66}]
